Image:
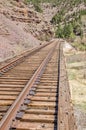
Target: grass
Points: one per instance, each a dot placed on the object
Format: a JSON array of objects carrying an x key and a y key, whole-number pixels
[
  {"x": 82, "y": 106},
  {"x": 83, "y": 12},
  {"x": 79, "y": 46},
  {"x": 71, "y": 74},
  {"x": 77, "y": 84},
  {"x": 76, "y": 65},
  {"x": 78, "y": 94}
]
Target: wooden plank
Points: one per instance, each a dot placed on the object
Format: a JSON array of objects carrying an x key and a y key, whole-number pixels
[
  {"x": 49, "y": 83},
  {"x": 14, "y": 83},
  {"x": 7, "y": 93},
  {"x": 38, "y": 118},
  {"x": 5, "y": 102},
  {"x": 16, "y": 78},
  {"x": 38, "y": 98},
  {"x": 3, "y": 108},
  {"x": 65, "y": 119},
  {"x": 46, "y": 86},
  {"x": 40, "y": 104},
  {"x": 10, "y": 89},
  {"x": 12, "y": 80},
  {"x": 7, "y": 97},
  {"x": 32, "y": 126},
  {"x": 40, "y": 111},
  {"x": 11, "y": 85},
  {"x": 46, "y": 90},
  {"x": 46, "y": 94}
]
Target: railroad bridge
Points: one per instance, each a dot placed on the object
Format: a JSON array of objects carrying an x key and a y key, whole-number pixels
[{"x": 34, "y": 91}]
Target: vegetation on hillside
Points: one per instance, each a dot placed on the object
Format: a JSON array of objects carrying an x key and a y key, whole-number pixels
[
  {"x": 36, "y": 4},
  {"x": 78, "y": 46},
  {"x": 70, "y": 29},
  {"x": 67, "y": 25}
]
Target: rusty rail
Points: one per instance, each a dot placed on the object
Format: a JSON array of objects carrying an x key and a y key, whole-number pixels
[
  {"x": 6, "y": 121},
  {"x": 21, "y": 58},
  {"x": 50, "y": 98}
]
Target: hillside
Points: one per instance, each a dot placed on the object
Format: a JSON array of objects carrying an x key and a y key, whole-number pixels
[
  {"x": 20, "y": 28},
  {"x": 26, "y": 23}
]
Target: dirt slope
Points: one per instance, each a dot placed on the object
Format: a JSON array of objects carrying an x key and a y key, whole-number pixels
[{"x": 14, "y": 36}]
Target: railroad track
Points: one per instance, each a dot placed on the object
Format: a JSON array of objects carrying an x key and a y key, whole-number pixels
[{"x": 29, "y": 92}]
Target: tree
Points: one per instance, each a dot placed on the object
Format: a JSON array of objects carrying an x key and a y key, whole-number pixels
[
  {"x": 68, "y": 31},
  {"x": 57, "y": 19},
  {"x": 59, "y": 32}
]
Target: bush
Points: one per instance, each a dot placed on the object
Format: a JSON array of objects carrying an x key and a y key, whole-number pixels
[
  {"x": 83, "y": 12},
  {"x": 37, "y": 8},
  {"x": 57, "y": 19},
  {"x": 65, "y": 32},
  {"x": 59, "y": 32}
]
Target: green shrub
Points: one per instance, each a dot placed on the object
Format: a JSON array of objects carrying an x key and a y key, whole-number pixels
[
  {"x": 83, "y": 12},
  {"x": 57, "y": 19},
  {"x": 65, "y": 32},
  {"x": 79, "y": 46},
  {"x": 59, "y": 32},
  {"x": 38, "y": 8}
]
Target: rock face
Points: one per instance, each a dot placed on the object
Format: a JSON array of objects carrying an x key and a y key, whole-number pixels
[
  {"x": 21, "y": 27},
  {"x": 37, "y": 23},
  {"x": 15, "y": 35}
]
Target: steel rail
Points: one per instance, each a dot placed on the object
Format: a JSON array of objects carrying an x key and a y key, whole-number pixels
[
  {"x": 20, "y": 59},
  {"x": 6, "y": 121}
]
